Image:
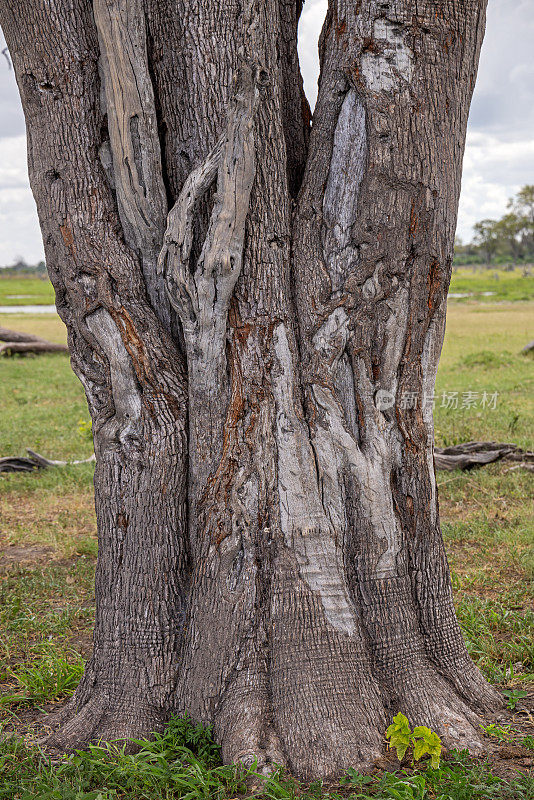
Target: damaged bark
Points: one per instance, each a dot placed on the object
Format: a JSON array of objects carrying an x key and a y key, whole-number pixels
[{"x": 281, "y": 574}]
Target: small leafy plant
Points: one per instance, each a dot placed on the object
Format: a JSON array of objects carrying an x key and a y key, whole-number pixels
[
  {"x": 421, "y": 739},
  {"x": 85, "y": 429},
  {"x": 501, "y": 733},
  {"x": 355, "y": 779},
  {"x": 513, "y": 696},
  {"x": 399, "y": 734}
]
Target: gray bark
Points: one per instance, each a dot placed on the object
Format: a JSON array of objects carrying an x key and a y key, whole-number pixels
[
  {"x": 299, "y": 595},
  {"x": 131, "y": 370}
]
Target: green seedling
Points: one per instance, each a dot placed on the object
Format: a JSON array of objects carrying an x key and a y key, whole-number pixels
[
  {"x": 421, "y": 739},
  {"x": 497, "y": 732}
]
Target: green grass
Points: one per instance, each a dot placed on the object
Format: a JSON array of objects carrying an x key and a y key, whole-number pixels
[
  {"x": 52, "y": 675},
  {"x": 499, "y": 639},
  {"x": 184, "y": 763},
  {"x": 504, "y": 285},
  {"x": 42, "y": 403},
  {"x": 36, "y": 292},
  {"x": 45, "y": 618},
  {"x": 481, "y": 356},
  {"x": 487, "y": 522},
  {"x": 48, "y": 549}
]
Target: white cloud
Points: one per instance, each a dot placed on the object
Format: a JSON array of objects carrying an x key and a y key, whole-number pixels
[
  {"x": 13, "y": 169},
  {"x": 503, "y": 101},
  {"x": 493, "y": 172},
  {"x": 19, "y": 228},
  {"x": 310, "y": 24}
]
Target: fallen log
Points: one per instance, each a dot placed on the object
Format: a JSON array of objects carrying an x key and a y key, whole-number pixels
[
  {"x": 32, "y": 347},
  {"x": 47, "y": 462},
  {"x": 7, "y": 335},
  {"x": 16, "y": 464},
  {"x": 476, "y": 454},
  {"x": 36, "y": 461},
  {"x": 17, "y": 342}
]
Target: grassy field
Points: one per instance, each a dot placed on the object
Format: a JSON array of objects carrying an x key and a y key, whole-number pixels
[
  {"x": 25, "y": 292},
  {"x": 492, "y": 285},
  {"x": 48, "y": 550},
  {"x": 481, "y": 355}
]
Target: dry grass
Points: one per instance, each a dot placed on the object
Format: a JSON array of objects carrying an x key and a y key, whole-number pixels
[
  {"x": 48, "y": 326},
  {"x": 63, "y": 523}
]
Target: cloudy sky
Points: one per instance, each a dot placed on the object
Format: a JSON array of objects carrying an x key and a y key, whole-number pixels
[{"x": 499, "y": 156}]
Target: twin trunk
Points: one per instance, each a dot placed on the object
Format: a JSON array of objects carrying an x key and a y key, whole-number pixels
[{"x": 299, "y": 595}]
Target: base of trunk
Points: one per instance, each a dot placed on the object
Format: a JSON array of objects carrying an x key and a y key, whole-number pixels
[
  {"x": 314, "y": 743},
  {"x": 339, "y": 741},
  {"x": 101, "y": 720}
]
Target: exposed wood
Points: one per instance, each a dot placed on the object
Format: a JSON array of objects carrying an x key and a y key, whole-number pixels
[
  {"x": 202, "y": 296},
  {"x": 133, "y": 130}
]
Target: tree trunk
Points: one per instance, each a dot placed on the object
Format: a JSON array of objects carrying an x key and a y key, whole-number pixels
[
  {"x": 130, "y": 368},
  {"x": 299, "y": 595}
]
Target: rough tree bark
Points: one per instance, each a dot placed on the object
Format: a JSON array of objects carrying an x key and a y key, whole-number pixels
[{"x": 241, "y": 295}]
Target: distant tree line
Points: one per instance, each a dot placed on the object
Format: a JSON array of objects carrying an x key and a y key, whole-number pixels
[
  {"x": 504, "y": 240},
  {"x": 20, "y": 267}
]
